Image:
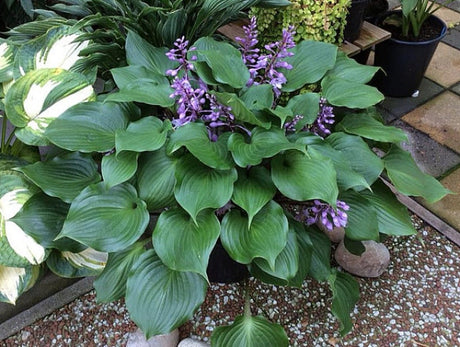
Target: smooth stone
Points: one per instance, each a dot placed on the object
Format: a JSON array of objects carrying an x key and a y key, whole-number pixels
[
  {"x": 335, "y": 235},
  {"x": 189, "y": 342},
  {"x": 372, "y": 263},
  {"x": 137, "y": 339}
]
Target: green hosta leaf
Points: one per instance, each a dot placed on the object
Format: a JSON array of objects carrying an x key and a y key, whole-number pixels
[
  {"x": 286, "y": 263},
  {"x": 88, "y": 262},
  {"x": 305, "y": 105},
  {"x": 370, "y": 128},
  {"x": 118, "y": 168},
  {"x": 305, "y": 247},
  {"x": 311, "y": 61},
  {"x": 42, "y": 218},
  {"x": 393, "y": 217},
  {"x": 340, "y": 92},
  {"x": 264, "y": 144},
  {"x": 140, "y": 52},
  {"x": 155, "y": 295},
  {"x": 107, "y": 220},
  {"x": 239, "y": 109},
  {"x": 258, "y": 97},
  {"x": 346, "y": 177},
  {"x": 36, "y": 99},
  {"x": 345, "y": 295},
  {"x": 249, "y": 331},
  {"x": 224, "y": 60},
  {"x": 176, "y": 233},
  {"x": 6, "y": 62},
  {"x": 362, "y": 218},
  {"x": 138, "y": 83},
  {"x": 88, "y": 127},
  {"x": 305, "y": 177},
  {"x": 358, "y": 154},
  {"x": 155, "y": 179},
  {"x": 265, "y": 238},
  {"x": 281, "y": 113},
  {"x": 146, "y": 134},
  {"x": 408, "y": 179},
  {"x": 199, "y": 187},
  {"x": 195, "y": 137},
  {"x": 63, "y": 177},
  {"x": 253, "y": 190},
  {"x": 348, "y": 69},
  {"x": 320, "y": 268},
  {"x": 110, "y": 285},
  {"x": 16, "y": 280}
]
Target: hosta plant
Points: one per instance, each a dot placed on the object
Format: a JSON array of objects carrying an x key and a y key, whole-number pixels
[{"x": 199, "y": 142}]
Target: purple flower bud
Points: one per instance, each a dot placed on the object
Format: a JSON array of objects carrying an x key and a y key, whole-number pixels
[{"x": 326, "y": 215}]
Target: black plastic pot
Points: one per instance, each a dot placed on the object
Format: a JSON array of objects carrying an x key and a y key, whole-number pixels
[
  {"x": 355, "y": 19},
  {"x": 404, "y": 63},
  {"x": 223, "y": 269}
]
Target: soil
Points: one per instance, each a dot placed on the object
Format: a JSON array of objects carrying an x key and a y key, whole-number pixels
[{"x": 429, "y": 30}]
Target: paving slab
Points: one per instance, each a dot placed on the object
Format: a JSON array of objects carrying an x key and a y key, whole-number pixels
[
  {"x": 440, "y": 119},
  {"x": 449, "y": 16},
  {"x": 453, "y": 37},
  {"x": 397, "y": 107},
  {"x": 449, "y": 207},
  {"x": 444, "y": 67},
  {"x": 431, "y": 157}
]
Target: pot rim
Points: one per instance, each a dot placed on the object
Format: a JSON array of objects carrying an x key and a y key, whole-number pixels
[{"x": 414, "y": 43}]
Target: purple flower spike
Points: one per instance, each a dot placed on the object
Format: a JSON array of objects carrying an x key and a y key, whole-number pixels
[
  {"x": 179, "y": 54},
  {"x": 326, "y": 215},
  {"x": 249, "y": 53},
  {"x": 325, "y": 118}
]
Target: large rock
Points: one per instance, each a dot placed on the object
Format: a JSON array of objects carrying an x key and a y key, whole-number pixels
[
  {"x": 372, "y": 263},
  {"x": 137, "y": 339},
  {"x": 192, "y": 343}
]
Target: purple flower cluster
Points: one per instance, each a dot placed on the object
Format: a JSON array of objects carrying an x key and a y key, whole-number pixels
[
  {"x": 325, "y": 118},
  {"x": 263, "y": 67},
  {"x": 326, "y": 215},
  {"x": 192, "y": 97},
  {"x": 290, "y": 126}
]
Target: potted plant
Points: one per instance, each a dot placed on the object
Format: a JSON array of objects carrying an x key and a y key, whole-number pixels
[
  {"x": 198, "y": 142},
  {"x": 404, "y": 58}
]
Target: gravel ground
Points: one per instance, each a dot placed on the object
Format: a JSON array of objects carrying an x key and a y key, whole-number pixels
[{"x": 416, "y": 302}]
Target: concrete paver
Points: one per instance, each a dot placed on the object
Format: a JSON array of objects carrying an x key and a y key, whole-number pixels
[
  {"x": 453, "y": 37},
  {"x": 444, "y": 67},
  {"x": 449, "y": 16},
  {"x": 440, "y": 119}
]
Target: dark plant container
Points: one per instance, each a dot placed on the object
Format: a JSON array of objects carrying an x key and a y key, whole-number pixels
[
  {"x": 355, "y": 19},
  {"x": 403, "y": 62},
  {"x": 223, "y": 269}
]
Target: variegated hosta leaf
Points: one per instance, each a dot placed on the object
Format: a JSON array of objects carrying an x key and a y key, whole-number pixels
[
  {"x": 40, "y": 96},
  {"x": 55, "y": 49},
  {"x": 88, "y": 262},
  {"x": 24, "y": 245},
  {"x": 16, "y": 280},
  {"x": 6, "y": 62}
]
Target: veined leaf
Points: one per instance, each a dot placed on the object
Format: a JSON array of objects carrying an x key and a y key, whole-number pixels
[
  {"x": 199, "y": 187},
  {"x": 155, "y": 295},
  {"x": 320, "y": 268},
  {"x": 265, "y": 238},
  {"x": 305, "y": 105},
  {"x": 194, "y": 136},
  {"x": 370, "y": 128},
  {"x": 408, "y": 179},
  {"x": 36, "y": 99},
  {"x": 155, "y": 179},
  {"x": 253, "y": 190},
  {"x": 348, "y": 69},
  {"x": 119, "y": 168},
  {"x": 305, "y": 177},
  {"x": 258, "y": 97},
  {"x": 88, "y": 127},
  {"x": 249, "y": 331},
  {"x": 176, "y": 233},
  {"x": 263, "y": 144},
  {"x": 107, "y": 220},
  {"x": 63, "y": 177},
  {"x": 6, "y": 62},
  {"x": 88, "y": 262}
]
